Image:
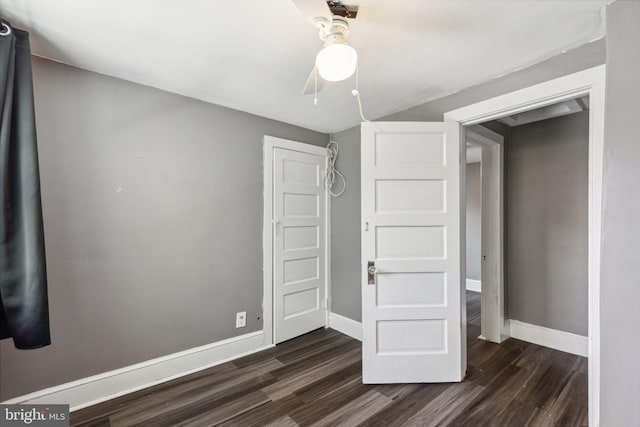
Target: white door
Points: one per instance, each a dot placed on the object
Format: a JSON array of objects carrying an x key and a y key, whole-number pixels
[
  {"x": 299, "y": 255},
  {"x": 412, "y": 316}
]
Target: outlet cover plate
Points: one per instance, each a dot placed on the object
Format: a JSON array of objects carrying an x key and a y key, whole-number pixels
[{"x": 241, "y": 319}]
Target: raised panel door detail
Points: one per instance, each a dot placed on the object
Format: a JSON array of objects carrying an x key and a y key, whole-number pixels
[
  {"x": 299, "y": 270},
  {"x": 411, "y": 289},
  {"x": 296, "y": 238},
  {"x": 410, "y": 148},
  {"x": 298, "y": 172},
  {"x": 412, "y": 242},
  {"x": 400, "y": 337},
  {"x": 301, "y": 302},
  {"x": 410, "y": 196},
  {"x": 300, "y": 204}
]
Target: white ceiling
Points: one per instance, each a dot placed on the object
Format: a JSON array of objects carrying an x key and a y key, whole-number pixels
[{"x": 255, "y": 55}]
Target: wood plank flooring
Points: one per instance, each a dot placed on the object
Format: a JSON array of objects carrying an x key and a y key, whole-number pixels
[{"x": 316, "y": 380}]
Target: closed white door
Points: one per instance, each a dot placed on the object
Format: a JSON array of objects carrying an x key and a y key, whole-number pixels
[
  {"x": 412, "y": 314},
  {"x": 299, "y": 256}
]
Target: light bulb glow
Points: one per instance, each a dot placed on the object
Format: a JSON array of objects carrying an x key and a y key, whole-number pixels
[{"x": 336, "y": 62}]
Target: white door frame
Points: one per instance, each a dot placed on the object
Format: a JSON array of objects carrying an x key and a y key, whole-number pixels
[
  {"x": 269, "y": 144},
  {"x": 491, "y": 279},
  {"x": 590, "y": 82}
]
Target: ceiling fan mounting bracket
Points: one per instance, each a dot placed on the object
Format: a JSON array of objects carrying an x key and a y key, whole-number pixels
[
  {"x": 337, "y": 32},
  {"x": 321, "y": 22},
  {"x": 339, "y": 9}
]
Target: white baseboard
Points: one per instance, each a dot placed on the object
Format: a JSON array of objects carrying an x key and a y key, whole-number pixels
[
  {"x": 346, "y": 326},
  {"x": 474, "y": 285},
  {"x": 552, "y": 338},
  {"x": 506, "y": 332},
  {"x": 108, "y": 385}
]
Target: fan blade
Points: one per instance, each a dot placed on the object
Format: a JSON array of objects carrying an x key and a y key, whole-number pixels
[
  {"x": 315, "y": 83},
  {"x": 313, "y": 9}
]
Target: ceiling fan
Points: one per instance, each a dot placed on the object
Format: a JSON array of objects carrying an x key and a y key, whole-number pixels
[{"x": 336, "y": 60}]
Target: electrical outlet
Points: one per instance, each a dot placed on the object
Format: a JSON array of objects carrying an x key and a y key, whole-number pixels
[{"x": 241, "y": 319}]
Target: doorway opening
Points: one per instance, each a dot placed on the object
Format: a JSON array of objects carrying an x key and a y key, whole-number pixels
[
  {"x": 473, "y": 278},
  {"x": 540, "y": 214},
  {"x": 573, "y": 89},
  {"x": 545, "y": 233}
]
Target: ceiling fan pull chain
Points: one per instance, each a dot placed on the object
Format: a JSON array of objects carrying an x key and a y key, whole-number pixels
[{"x": 315, "y": 85}]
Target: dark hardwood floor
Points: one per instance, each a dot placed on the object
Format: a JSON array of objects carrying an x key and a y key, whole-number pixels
[{"x": 316, "y": 380}]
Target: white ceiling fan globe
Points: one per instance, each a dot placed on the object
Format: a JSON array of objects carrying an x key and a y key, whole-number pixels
[{"x": 336, "y": 62}]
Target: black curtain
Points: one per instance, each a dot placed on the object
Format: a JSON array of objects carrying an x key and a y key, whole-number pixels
[{"x": 24, "y": 310}]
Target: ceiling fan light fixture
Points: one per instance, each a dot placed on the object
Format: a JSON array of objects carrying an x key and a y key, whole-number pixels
[{"x": 336, "y": 62}]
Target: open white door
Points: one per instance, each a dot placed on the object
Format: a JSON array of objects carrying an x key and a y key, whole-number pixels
[
  {"x": 299, "y": 239},
  {"x": 412, "y": 311}
]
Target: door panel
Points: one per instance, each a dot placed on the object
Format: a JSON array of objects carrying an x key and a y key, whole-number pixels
[
  {"x": 412, "y": 227},
  {"x": 299, "y": 253},
  {"x": 411, "y": 196},
  {"x": 296, "y": 238},
  {"x": 410, "y": 289}
]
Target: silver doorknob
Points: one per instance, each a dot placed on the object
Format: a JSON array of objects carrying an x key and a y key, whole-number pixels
[{"x": 371, "y": 273}]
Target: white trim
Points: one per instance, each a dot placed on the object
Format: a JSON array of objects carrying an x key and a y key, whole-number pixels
[
  {"x": 589, "y": 82},
  {"x": 267, "y": 241},
  {"x": 269, "y": 144},
  {"x": 345, "y": 325},
  {"x": 483, "y": 137},
  {"x": 506, "y": 332},
  {"x": 474, "y": 285},
  {"x": 492, "y": 248},
  {"x": 474, "y": 154},
  {"x": 109, "y": 385},
  {"x": 553, "y": 91},
  {"x": 327, "y": 262},
  {"x": 552, "y": 338}
]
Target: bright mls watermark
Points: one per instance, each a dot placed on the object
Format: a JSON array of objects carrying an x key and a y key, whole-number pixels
[{"x": 34, "y": 415}]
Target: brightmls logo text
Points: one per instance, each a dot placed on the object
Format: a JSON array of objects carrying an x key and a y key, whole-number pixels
[
  {"x": 27, "y": 416},
  {"x": 35, "y": 415}
]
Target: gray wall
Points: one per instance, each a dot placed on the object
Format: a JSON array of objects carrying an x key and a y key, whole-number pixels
[
  {"x": 153, "y": 217},
  {"x": 474, "y": 220},
  {"x": 345, "y": 230},
  {"x": 546, "y": 223},
  {"x": 346, "y": 249},
  {"x": 620, "y": 281}
]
